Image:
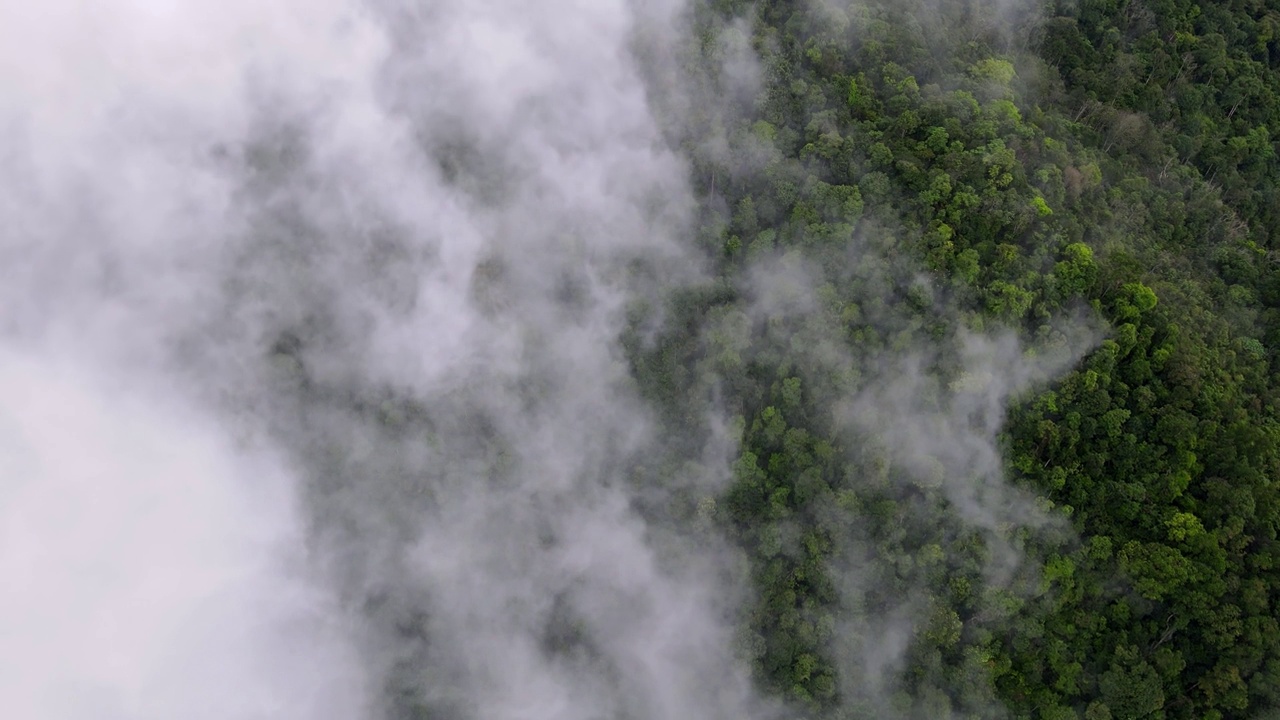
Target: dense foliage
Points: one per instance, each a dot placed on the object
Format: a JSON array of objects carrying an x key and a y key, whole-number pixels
[{"x": 937, "y": 170}]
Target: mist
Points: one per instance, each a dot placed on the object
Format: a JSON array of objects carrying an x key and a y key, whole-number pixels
[
  {"x": 872, "y": 468},
  {"x": 314, "y": 396},
  {"x": 154, "y": 564},
  {"x": 915, "y": 399}
]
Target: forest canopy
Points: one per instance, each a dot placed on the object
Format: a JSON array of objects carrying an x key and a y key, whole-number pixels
[{"x": 931, "y": 170}]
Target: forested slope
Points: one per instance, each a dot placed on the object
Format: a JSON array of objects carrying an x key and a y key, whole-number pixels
[{"x": 1098, "y": 179}]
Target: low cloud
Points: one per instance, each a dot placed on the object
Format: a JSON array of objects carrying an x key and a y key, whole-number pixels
[{"x": 321, "y": 303}]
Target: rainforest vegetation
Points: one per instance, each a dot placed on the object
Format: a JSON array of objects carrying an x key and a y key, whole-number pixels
[{"x": 943, "y": 168}]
